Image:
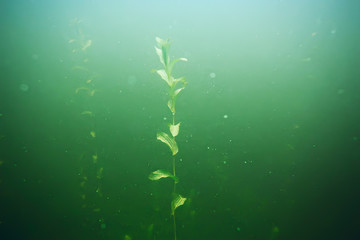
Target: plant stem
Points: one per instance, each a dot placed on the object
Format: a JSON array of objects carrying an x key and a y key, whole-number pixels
[
  {"x": 174, "y": 173},
  {"x": 174, "y": 227}
]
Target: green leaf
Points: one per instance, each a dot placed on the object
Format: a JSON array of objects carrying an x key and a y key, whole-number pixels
[
  {"x": 163, "y": 75},
  {"x": 171, "y": 105},
  {"x": 173, "y": 96},
  {"x": 159, "y": 53},
  {"x": 177, "y": 202},
  {"x": 177, "y": 91},
  {"x": 181, "y": 79},
  {"x": 168, "y": 141},
  {"x": 174, "y": 129},
  {"x": 173, "y": 92},
  {"x": 172, "y": 63},
  {"x": 158, "y": 174},
  {"x": 164, "y": 46}
]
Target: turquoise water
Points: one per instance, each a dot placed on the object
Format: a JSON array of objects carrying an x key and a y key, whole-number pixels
[{"x": 269, "y": 136}]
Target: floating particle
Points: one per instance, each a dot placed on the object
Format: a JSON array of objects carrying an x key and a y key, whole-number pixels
[
  {"x": 127, "y": 237},
  {"x": 86, "y": 113},
  {"x": 226, "y": 116},
  {"x": 24, "y": 87},
  {"x": 95, "y": 158},
  {"x": 93, "y": 134},
  {"x": 212, "y": 75}
]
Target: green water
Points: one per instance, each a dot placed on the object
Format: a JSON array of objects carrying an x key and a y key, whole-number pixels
[{"x": 269, "y": 141}]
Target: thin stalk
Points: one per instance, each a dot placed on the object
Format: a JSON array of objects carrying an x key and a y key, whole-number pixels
[
  {"x": 174, "y": 227},
  {"x": 174, "y": 222},
  {"x": 174, "y": 173}
]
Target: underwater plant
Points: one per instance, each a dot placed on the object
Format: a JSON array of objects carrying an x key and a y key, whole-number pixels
[
  {"x": 90, "y": 163},
  {"x": 176, "y": 85}
]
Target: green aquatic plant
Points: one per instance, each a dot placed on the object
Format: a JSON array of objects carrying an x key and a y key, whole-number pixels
[{"x": 176, "y": 85}]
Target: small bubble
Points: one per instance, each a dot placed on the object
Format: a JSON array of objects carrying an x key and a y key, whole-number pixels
[
  {"x": 225, "y": 162},
  {"x": 35, "y": 57},
  {"x": 340, "y": 91},
  {"x": 226, "y": 116},
  {"x": 132, "y": 80},
  {"x": 212, "y": 75}
]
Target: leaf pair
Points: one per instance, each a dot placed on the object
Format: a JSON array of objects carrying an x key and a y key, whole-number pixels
[
  {"x": 168, "y": 141},
  {"x": 178, "y": 200},
  {"x": 175, "y": 92},
  {"x": 163, "y": 52}
]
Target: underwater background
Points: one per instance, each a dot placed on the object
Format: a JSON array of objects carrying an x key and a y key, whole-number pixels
[{"x": 269, "y": 143}]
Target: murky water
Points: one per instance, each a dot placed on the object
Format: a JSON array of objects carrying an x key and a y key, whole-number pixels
[{"x": 102, "y": 138}]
